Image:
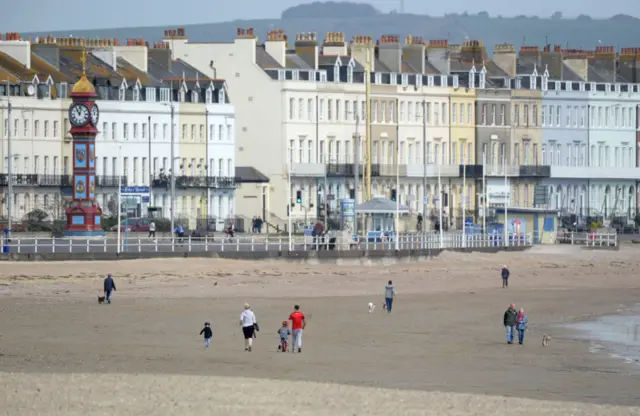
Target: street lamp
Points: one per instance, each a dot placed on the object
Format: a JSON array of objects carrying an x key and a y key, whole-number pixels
[
  {"x": 173, "y": 171},
  {"x": 289, "y": 165},
  {"x": 10, "y": 161}
]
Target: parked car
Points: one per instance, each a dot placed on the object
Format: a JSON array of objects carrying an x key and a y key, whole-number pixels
[{"x": 135, "y": 225}]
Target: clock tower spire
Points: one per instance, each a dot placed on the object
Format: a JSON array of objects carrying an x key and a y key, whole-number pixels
[{"x": 84, "y": 215}]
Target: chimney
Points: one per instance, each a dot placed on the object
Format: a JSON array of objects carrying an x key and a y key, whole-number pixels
[
  {"x": 390, "y": 52},
  {"x": 473, "y": 51},
  {"x": 246, "y": 41},
  {"x": 359, "y": 47},
  {"x": 334, "y": 44},
  {"x": 577, "y": 61},
  {"x": 604, "y": 61},
  {"x": 307, "y": 48},
  {"x": 438, "y": 55},
  {"x": 504, "y": 55},
  {"x": 629, "y": 64},
  {"x": 276, "y": 46},
  {"x": 414, "y": 52},
  {"x": 530, "y": 56},
  {"x": 18, "y": 49}
]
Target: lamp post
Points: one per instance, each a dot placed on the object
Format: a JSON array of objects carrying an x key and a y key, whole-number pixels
[
  {"x": 289, "y": 164},
  {"x": 9, "y": 198},
  {"x": 173, "y": 173},
  {"x": 119, "y": 196}
]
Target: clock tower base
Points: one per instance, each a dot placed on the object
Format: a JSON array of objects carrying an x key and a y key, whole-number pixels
[{"x": 84, "y": 219}]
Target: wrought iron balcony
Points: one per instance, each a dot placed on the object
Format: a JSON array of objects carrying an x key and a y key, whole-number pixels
[
  {"x": 110, "y": 181},
  {"x": 471, "y": 171},
  {"x": 532, "y": 171},
  {"x": 348, "y": 169},
  {"x": 55, "y": 180},
  {"x": 184, "y": 182},
  {"x": 19, "y": 179}
]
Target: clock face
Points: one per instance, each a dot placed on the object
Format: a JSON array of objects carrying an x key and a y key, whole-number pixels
[
  {"x": 95, "y": 115},
  {"x": 79, "y": 115}
]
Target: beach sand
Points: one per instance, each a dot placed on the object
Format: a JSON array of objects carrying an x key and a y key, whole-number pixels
[{"x": 441, "y": 351}]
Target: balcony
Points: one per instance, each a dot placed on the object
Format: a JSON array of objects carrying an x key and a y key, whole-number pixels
[
  {"x": 348, "y": 170},
  {"x": 471, "y": 171},
  {"x": 55, "y": 180},
  {"x": 501, "y": 170},
  {"x": 308, "y": 169},
  {"x": 188, "y": 182},
  {"x": 415, "y": 170},
  {"x": 110, "y": 181},
  {"x": 19, "y": 179},
  {"x": 532, "y": 171},
  {"x": 589, "y": 172}
]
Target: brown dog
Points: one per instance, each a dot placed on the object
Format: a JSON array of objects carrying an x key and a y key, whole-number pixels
[{"x": 100, "y": 299}]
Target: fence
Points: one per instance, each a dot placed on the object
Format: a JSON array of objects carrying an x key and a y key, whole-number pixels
[
  {"x": 591, "y": 239},
  {"x": 417, "y": 241}
]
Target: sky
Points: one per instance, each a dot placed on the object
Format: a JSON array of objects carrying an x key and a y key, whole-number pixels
[{"x": 44, "y": 15}]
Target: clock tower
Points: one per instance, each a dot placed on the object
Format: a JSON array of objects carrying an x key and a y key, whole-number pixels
[{"x": 84, "y": 215}]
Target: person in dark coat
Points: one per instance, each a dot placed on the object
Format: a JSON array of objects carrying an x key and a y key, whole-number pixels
[
  {"x": 505, "y": 276},
  {"x": 109, "y": 286},
  {"x": 510, "y": 320}
]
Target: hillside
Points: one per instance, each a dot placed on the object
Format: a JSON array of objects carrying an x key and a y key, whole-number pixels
[{"x": 581, "y": 32}]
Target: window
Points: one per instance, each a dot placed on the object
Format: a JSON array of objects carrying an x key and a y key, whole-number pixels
[
  {"x": 374, "y": 112},
  {"x": 436, "y": 118},
  {"x": 338, "y": 112},
  {"x": 525, "y": 115},
  {"x": 135, "y": 131},
  {"x": 502, "y": 114},
  {"x": 391, "y": 111},
  {"x": 26, "y": 128},
  {"x": 543, "y": 114},
  {"x": 292, "y": 110},
  {"x": 544, "y": 154},
  {"x": 410, "y": 111},
  {"x": 155, "y": 131},
  {"x": 329, "y": 110},
  {"x": 229, "y": 133},
  {"x": 469, "y": 114},
  {"x": 55, "y": 128},
  {"x": 493, "y": 114},
  {"x": 461, "y": 113},
  {"x": 46, "y": 128},
  {"x": 401, "y": 109},
  {"x": 516, "y": 115},
  {"x": 220, "y": 132},
  {"x": 534, "y": 116},
  {"x": 454, "y": 113},
  {"x": 383, "y": 112},
  {"x": 321, "y": 158},
  {"x": 310, "y": 109},
  {"x": 201, "y": 132},
  {"x": 121, "y": 93},
  {"x": 300, "y": 109},
  {"x": 582, "y": 115},
  {"x": 428, "y": 113},
  {"x": 36, "y": 128},
  {"x": 165, "y": 128},
  {"x": 444, "y": 114},
  {"x": 321, "y": 109},
  {"x": 558, "y": 115},
  {"x": 193, "y": 132},
  {"x": 310, "y": 152},
  {"x": 114, "y": 128},
  {"x": 454, "y": 156}
]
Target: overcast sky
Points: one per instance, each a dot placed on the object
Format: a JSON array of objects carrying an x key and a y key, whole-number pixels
[{"x": 43, "y": 15}]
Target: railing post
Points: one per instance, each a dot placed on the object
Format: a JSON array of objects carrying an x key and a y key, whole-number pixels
[
  {"x": 53, "y": 244},
  {"x": 104, "y": 243},
  {"x": 266, "y": 243},
  {"x": 572, "y": 240},
  {"x": 252, "y": 249},
  {"x": 139, "y": 245},
  {"x": 87, "y": 245},
  {"x": 189, "y": 244},
  {"x": 173, "y": 244},
  {"x": 70, "y": 246},
  {"x": 237, "y": 243},
  {"x": 222, "y": 244},
  {"x": 19, "y": 244},
  {"x": 35, "y": 248},
  {"x": 280, "y": 243},
  {"x": 156, "y": 244},
  {"x": 206, "y": 243}
]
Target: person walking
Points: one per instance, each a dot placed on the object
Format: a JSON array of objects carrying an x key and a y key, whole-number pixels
[
  {"x": 389, "y": 294},
  {"x": 109, "y": 286},
  {"x": 207, "y": 334},
  {"x": 298, "y": 324},
  {"x": 505, "y": 276},
  {"x": 521, "y": 325},
  {"x": 510, "y": 320},
  {"x": 152, "y": 229},
  {"x": 248, "y": 323}
]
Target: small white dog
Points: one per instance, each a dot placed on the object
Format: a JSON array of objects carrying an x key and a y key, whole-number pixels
[{"x": 372, "y": 307}]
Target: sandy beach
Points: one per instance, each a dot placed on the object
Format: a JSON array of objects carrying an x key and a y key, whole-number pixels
[{"x": 441, "y": 351}]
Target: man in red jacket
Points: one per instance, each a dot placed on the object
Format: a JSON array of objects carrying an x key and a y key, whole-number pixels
[{"x": 298, "y": 323}]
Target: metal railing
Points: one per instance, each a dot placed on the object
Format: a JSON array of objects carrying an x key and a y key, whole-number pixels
[
  {"x": 374, "y": 241},
  {"x": 589, "y": 239}
]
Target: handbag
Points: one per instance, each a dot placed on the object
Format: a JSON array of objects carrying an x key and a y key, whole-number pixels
[{"x": 256, "y": 327}]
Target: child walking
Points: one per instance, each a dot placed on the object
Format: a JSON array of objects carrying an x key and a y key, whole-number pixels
[
  {"x": 207, "y": 334},
  {"x": 284, "y": 336}
]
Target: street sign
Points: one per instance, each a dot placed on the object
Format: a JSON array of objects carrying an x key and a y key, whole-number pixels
[
  {"x": 134, "y": 189},
  {"x": 330, "y": 197},
  {"x": 146, "y": 199}
]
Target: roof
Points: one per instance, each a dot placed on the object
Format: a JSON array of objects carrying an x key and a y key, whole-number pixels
[
  {"x": 44, "y": 68},
  {"x": 381, "y": 206},
  {"x": 16, "y": 68},
  {"x": 99, "y": 71},
  {"x": 131, "y": 73},
  {"x": 429, "y": 69},
  {"x": 264, "y": 60},
  {"x": 249, "y": 174},
  {"x": 293, "y": 61},
  {"x": 7, "y": 76}
]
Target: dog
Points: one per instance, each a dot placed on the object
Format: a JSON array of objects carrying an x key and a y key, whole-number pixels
[
  {"x": 372, "y": 307},
  {"x": 545, "y": 340},
  {"x": 100, "y": 299},
  {"x": 384, "y": 306}
]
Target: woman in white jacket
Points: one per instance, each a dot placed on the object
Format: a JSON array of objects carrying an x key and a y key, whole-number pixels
[{"x": 248, "y": 323}]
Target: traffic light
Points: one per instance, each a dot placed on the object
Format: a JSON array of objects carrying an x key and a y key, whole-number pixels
[
  {"x": 393, "y": 195},
  {"x": 299, "y": 197}
]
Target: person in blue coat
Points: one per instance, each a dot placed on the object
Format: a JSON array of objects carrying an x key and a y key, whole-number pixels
[
  {"x": 521, "y": 325},
  {"x": 109, "y": 286}
]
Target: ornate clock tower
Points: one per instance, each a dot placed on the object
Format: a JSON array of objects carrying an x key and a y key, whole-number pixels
[{"x": 84, "y": 215}]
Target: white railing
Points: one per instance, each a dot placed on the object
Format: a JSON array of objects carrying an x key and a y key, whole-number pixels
[
  {"x": 374, "y": 241},
  {"x": 588, "y": 239}
]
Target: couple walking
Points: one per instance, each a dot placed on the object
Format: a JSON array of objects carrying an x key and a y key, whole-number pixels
[
  {"x": 250, "y": 326},
  {"x": 515, "y": 321}
]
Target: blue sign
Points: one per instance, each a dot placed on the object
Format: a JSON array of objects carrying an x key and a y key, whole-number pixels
[
  {"x": 348, "y": 215},
  {"x": 146, "y": 199},
  {"x": 134, "y": 189},
  {"x": 77, "y": 220}
]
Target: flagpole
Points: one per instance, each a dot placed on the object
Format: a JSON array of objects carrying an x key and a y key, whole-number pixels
[{"x": 440, "y": 206}]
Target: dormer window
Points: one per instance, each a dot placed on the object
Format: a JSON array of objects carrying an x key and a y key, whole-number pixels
[
  {"x": 444, "y": 82},
  {"x": 350, "y": 75},
  {"x": 323, "y": 76},
  {"x": 136, "y": 93},
  {"x": 312, "y": 76},
  {"x": 181, "y": 95},
  {"x": 418, "y": 80},
  {"x": 568, "y": 86},
  {"x": 533, "y": 85},
  {"x": 618, "y": 88},
  {"x": 545, "y": 83},
  {"x": 607, "y": 87},
  {"x": 593, "y": 86},
  {"x": 472, "y": 79},
  {"x": 518, "y": 83},
  {"x": 582, "y": 86},
  {"x": 281, "y": 74},
  {"x": 405, "y": 79},
  {"x": 122, "y": 92},
  {"x": 165, "y": 94},
  {"x": 393, "y": 79},
  {"x": 295, "y": 75},
  {"x": 455, "y": 81},
  {"x": 151, "y": 95},
  {"x": 378, "y": 78},
  {"x": 194, "y": 96},
  {"x": 557, "y": 85},
  {"x": 221, "y": 96},
  {"x": 336, "y": 73},
  {"x": 64, "y": 89},
  {"x": 430, "y": 81},
  {"x": 630, "y": 88},
  {"x": 209, "y": 96}
]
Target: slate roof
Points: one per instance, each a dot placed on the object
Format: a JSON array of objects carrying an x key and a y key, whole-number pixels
[
  {"x": 249, "y": 174},
  {"x": 264, "y": 60},
  {"x": 381, "y": 206},
  {"x": 132, "y": 73}
]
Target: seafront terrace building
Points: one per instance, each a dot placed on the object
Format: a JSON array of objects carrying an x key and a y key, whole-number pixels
[{"x": 137, "y": 88}]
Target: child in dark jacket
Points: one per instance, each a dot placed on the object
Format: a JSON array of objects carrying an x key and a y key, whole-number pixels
[
  {"x": 207, "y": 334},
  {"x": 284, "y": 336}
]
